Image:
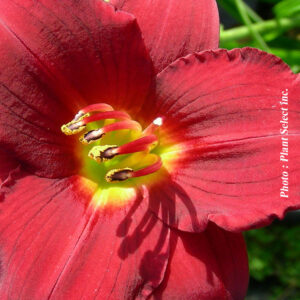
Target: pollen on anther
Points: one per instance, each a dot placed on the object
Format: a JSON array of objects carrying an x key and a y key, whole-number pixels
[
  {"x": 75, "y": 125},
  {"x": 117, "y": 175},
  {"x": 103, "y": 153},
  {"x": 91, "y": 136}
]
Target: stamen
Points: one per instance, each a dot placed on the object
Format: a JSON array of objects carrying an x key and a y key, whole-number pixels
[
  {"x": 126, "y": 173},
  {"x": 117, "y": 115},
  {"x": 104, "y": 153},
  {"x": 148, "y": 170},
  {"x": 77, "y": 126},
  {"x": 92, "y": 108},
  {"x": 122, "y": 125},
  {"x": 95, "y": 135}
]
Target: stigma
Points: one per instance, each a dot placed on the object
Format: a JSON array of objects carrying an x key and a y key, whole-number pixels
[{"x": 114, "y": 121}]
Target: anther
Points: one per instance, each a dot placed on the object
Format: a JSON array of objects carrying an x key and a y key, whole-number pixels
[
  {"x": 74, "y": 126},
  {"x": 103, "y": 153},
  {"x": 91, "y": 136},
  {"x": 118, "y": 175}
]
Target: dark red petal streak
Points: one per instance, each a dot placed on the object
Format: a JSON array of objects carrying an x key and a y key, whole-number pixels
[
  {"x": 7, "y": 164},
  {"x": 223, "y": 110},
  {"x": 173, "y": 29},
  {"x": 55, "y": 58},
  {"x": 53, "y": 245},
  {"x": 211, "y": 265}
]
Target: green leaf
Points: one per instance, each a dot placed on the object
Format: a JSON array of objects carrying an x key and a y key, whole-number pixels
[
  {"x": 287, "y": 8},
  {"x": 274, "y": 27},
  {"x": 270, "y": 1}
]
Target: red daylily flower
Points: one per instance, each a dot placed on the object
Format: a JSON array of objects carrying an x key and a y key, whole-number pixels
[{"x": 171, "y": 228}]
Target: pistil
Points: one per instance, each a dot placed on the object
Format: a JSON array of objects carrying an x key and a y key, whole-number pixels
[{"x": 153, "y": 126}]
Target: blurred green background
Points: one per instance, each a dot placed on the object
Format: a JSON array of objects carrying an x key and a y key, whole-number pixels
[{"x": 274, "y": 251}]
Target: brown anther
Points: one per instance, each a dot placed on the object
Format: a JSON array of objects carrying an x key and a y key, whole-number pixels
[
  {"x": 109, "y": 153},
  {"x": 75, "y": 125},
  {"x": 103, "y": 153},
  {"x": 91, "y": 136},
  {"x": 118, "y": 175}
]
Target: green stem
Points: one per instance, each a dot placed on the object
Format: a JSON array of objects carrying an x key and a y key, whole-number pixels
[
  {"x": 230, "y": 7},
  {"x": 252, "y": 14},
  {"x": 264, "y": 27},
  {"x": 256, "y": 36}
]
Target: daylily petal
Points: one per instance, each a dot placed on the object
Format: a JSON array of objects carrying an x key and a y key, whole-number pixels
[
  {"x": 55, "y": 244},
  {"x": 173, "y": 29},
  {"x": 208, "y": 265},
  {"x": 56, "y": 57},
  {"x": 222, "y": 109}
]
